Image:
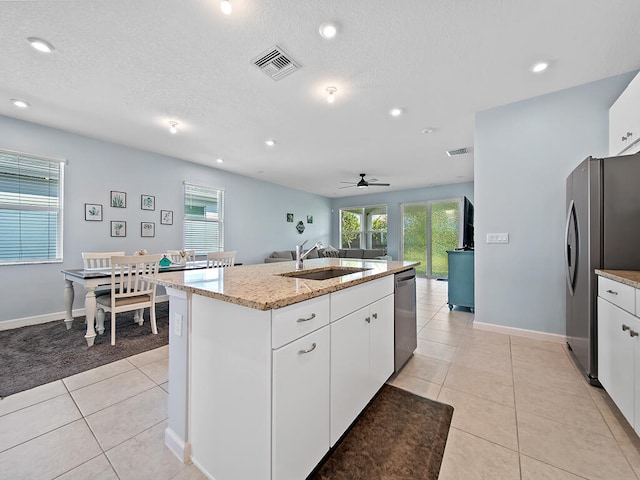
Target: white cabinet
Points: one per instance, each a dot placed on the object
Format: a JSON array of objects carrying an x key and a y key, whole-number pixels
[
  {"x": 619, "y": 347},
  {"x": 616, "y": 352},
  {"x": 300, "y": 405},
  {"x": 624, "y": 121},
  {"x": 361, "y": 361}
]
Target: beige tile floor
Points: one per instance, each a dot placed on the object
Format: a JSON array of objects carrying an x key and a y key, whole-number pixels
[{"x": 522, "y": 412}]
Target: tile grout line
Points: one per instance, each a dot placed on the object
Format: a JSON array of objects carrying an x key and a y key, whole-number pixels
[{"x": 515, "y": 408}]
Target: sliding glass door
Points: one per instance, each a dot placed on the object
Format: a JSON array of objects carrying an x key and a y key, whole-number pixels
[{"x": 429, "y": 230}]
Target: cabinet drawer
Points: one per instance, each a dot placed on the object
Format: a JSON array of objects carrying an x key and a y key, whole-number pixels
[
  {"x": 351, "y": 299},
  {"x": 617, "y": 293},
  {"x": 296, "y": 320}
]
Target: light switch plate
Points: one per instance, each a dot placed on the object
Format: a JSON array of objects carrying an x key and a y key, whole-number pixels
[
  {"x": 177, "y": 324},
  {"x": 497, "y": 238}
]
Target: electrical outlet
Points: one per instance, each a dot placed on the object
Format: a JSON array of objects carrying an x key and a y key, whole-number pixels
[
  {"x": 177, "y": 324},
  {"x": 497, "y": 238}
]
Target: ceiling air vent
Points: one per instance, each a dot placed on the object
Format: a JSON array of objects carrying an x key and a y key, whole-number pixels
[
  {"x": 276, "y": 63},
  {"x": 460, "y": 151}
]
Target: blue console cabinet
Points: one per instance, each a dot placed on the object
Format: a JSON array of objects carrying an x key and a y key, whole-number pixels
[{"x": 461, "y": 279}]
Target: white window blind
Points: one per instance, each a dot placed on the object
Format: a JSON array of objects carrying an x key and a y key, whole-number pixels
[
  {"x": 30, "y": 208},
  {"x": 203, "y": 218}
]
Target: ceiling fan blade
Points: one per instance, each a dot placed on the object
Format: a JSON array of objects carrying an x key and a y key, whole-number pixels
[
  {"x": 348, "y": 186},
  {"x": 372, "y": 180},
  {"x": 379, "y": 184},
  {"x": 350, "y": 183}
]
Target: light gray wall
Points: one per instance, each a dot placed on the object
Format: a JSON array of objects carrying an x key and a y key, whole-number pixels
[
  {"x": 523, "y": 154},
  {"x": 393, "y": 200},
  {"x": 255, "y": 211}
]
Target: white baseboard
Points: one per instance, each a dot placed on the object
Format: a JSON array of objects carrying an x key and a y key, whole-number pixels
[
  {"x": 51, "y": 317},
  {"x": 177, "y": 445},
  {"x": 521, "y": 332}
]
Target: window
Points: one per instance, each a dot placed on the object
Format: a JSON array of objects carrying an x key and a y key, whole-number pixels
[
  {"x": 30, "y": 208},
  {"x": 364, "y": 227},
  {"x": 203, "y": 219}
]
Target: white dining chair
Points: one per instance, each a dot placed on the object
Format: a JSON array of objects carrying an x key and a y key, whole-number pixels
[
  {"x": 129, "y": 291},
  {"x": 176, "y": 257},
  {"x": 221, "y": 259},
  {"x": 91, "y": 260}
]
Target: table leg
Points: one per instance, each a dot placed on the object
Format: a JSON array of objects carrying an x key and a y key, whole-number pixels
[
  {"x": 68, "y": 303},
  {"x": 90, "y": 312}
]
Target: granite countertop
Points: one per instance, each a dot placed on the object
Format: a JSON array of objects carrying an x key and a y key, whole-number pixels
[
  {"x": 262, "y": 287},
  {"x": 628, "y": 277}
]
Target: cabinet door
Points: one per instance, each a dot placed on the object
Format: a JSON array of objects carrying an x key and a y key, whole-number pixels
[
  {"x": 350, "y": 384},
  {"x": 616, "y": 355},
  {"x": 381, "y": 346},
  {"x": 624, "y": 119},
  {"x": 300, "y": 405}
]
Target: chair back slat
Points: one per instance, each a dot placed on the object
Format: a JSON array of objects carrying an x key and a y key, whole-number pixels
[
  {"x": 176, "y": 257},
  {"x": 98, "y": 259},
  {"x": 221, "y": 259}
]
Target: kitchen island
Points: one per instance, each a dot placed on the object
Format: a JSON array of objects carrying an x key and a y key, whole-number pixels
[{"x": 267, "y": 371}]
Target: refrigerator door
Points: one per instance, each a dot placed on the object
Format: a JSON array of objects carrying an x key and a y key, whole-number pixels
[
  {"x": 621, "y": 222},
  {"x": 583, "y": 250}
]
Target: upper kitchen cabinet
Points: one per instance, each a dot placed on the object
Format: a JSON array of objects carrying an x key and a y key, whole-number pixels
[{"x": 624, "y": 121}]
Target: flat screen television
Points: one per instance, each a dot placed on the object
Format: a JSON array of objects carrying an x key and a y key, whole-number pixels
[{"x": 467, "y": 225}]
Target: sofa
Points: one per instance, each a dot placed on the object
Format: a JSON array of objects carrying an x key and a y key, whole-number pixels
[{"x": 359, "y": 253}]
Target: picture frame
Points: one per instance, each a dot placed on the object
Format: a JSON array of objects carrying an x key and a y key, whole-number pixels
[
  {"x": 118, "y": 199},
  {"x": 147, "y": 229},
  {"x": 118, "y": 228},
  {"x": 93, "y": 212},
  {"x": 147, "y": 202},
  {"x": 166, "y": 217},
  {"x": 309, "y": 218},
  {"x": 290, "y": 217}
]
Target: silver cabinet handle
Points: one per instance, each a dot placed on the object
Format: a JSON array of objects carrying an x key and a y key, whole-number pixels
[
  {"x": 313, "y": 315},
  {"x": 367, "y": 319},
  {"x": 310, "y": 349},
  {"x": 612, "y": 292},
  {"x": 632, "y": 333},
  {"x": 625, "y": 327},
  {"x": 375, "y": 316}
]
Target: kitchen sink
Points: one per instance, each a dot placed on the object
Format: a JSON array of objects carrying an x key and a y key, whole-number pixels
[{"x": 324, "y": 273}]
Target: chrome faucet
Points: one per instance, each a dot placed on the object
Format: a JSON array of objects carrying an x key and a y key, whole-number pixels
[{"x": 301, "y": 256}]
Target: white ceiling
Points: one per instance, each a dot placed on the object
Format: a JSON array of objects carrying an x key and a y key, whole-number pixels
[{"x": 122, "y": 69}]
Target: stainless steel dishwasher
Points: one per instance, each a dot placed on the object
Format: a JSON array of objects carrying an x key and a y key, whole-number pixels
[{"x": 405, "y": 333}]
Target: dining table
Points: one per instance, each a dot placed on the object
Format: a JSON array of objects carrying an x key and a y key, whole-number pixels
[{"x": 94, "y": 278}]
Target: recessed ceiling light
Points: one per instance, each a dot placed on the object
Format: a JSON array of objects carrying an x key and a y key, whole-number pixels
[
  {"x": 40, "y": 45},
  {"x": 328, "y": 30},
  {"x": 396, "y": 112},
  {"x": 225, "y": 6},
  {"x": 219, "y": 160},
  {"x": 427, "y": 131},
  {"x": 20, "y": 103},
  {"x": 331, "y": 94},
  {"x": 539, "y": 67},
  {"x": 173, "y": 127},
  {"x": 270, "y": 143}
]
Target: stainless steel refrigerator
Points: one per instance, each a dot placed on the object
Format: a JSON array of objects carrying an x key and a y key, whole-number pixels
[{"x": 602, "y": 232}]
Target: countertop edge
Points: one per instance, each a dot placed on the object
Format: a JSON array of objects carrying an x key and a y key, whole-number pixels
[{"x": 628, "y": 277}]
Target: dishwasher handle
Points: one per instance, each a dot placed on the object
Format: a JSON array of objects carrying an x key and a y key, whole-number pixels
[{"x": 403, "y": 282}]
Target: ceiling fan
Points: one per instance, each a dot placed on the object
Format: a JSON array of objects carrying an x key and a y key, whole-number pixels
[{"x": 362, "y": 183}]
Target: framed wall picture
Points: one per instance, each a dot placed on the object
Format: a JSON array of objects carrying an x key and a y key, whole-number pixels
[
  {"x": 166, "y": 217},
  {"x": 147, "y": 202},
  {"x": 147, "y": 229},
  {"x": 289, "y": 217},
  {"x": 118, "y": 199},
  {"x": 93, "y": 212},
  {"x": 118, "y": 228},
  {"x": 309, "y": 218}
]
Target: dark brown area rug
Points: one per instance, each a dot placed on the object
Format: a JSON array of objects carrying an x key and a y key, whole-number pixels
[
  {"x": 399, "y": 436},
  {"x": 39, "y": 354}
]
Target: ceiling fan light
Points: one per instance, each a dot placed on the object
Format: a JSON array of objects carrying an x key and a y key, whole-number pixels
[
  {"x": 173, "y": 127},
  {"x": 331, "y": 94}
]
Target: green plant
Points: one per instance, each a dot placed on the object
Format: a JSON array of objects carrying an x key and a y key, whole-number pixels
[{"x": 117, "y": 201}]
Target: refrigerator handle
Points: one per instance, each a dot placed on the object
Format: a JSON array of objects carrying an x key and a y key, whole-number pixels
[{"x": 567, "y": 250}]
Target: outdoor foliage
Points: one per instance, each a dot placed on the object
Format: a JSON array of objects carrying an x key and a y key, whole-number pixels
[{"x": 350, "y": 229}]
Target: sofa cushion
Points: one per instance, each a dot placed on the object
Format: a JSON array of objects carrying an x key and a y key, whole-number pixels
[
  {"x": 351, "y": 253},
  {"x": 330, "y": 252},
  {"x": 373, "y": 253},
  {"x": 286, "y": 254}
]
